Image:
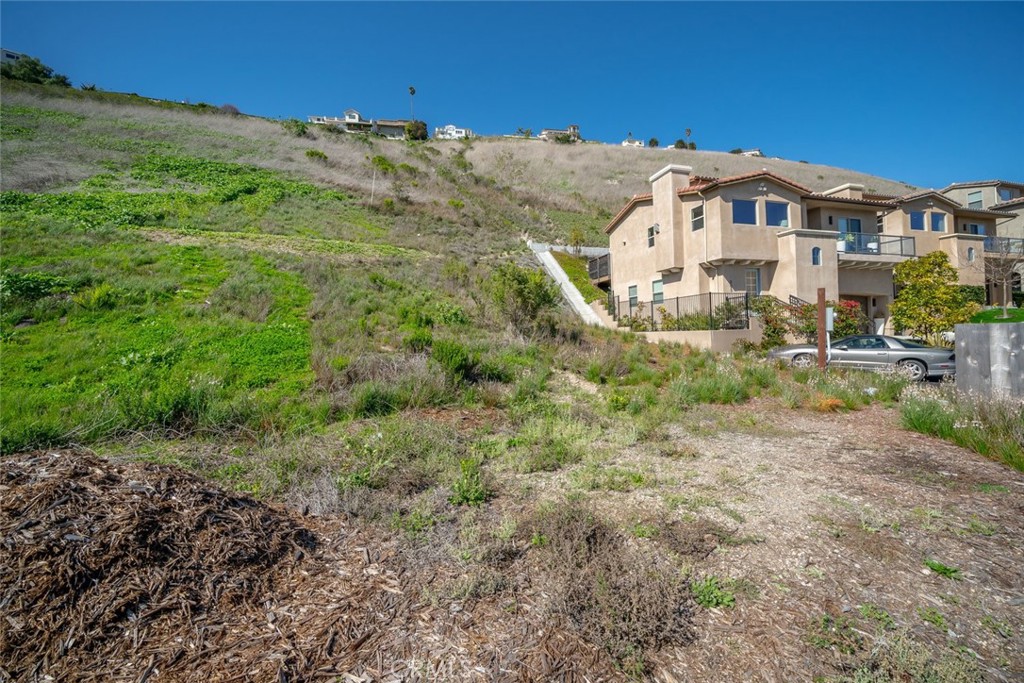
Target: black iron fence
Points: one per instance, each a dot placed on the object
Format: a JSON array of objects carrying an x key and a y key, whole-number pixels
[
  {"x": 599, "y": 267},
  {"x": 711, "y": 311}
]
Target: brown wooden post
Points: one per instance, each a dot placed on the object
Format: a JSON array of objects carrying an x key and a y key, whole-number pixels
[{"x": 821, "y": 328}]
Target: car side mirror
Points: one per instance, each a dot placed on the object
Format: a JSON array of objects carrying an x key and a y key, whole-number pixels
[{"x": 843, "y": 347}]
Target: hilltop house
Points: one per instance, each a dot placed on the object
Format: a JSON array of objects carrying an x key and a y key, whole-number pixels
[
  {"x": 572, "y": 133},
  {"x": 9, "y": 56},
  {"x": 452, "y": 132},
  {"x": 762, "y": 234},
  {"x": 353, "y": 122},
  {"x": 631, "y": 142}
]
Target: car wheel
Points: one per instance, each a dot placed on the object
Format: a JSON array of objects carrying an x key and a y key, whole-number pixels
[
  {"x": 803, "y": 360},
  {"x": 914, "y": 370}
]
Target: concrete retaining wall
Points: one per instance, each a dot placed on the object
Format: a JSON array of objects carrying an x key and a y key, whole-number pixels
[{"x": 990, "y": 359}]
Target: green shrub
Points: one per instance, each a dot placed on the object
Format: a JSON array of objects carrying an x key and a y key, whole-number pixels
[
  {"x": 383, "y": 164},
  {"x": 709, "y": 593},
  {"x": 469, "y": 488},
  {"x": 457, "y": 204},
  {"x": 454, "y": 359},
  {"x": 523, "y": 294},
  {"x": 374, "y": 398},
  {"x": 96, "y": 298},
  {"x": 316, "y": 155},
  {"x": 30, "y": 286},
  {"x": 297, "y": 128},
  {"x": 418, "y": 340}
]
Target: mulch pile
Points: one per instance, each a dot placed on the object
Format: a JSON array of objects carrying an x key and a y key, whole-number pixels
[{"x": 136, "y": 572}]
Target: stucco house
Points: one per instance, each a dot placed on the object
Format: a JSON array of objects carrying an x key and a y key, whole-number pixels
[
  {"x": 353, "y": 122},
  {"x": 762, "y": 234},
  {"x": 572, "y": 132},
  {"x": 452, "y": 132}
]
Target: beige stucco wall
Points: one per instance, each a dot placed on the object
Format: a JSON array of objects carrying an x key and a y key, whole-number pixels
[
  {"x": 721, "y": 341},
  {"x": 956, "y": 247},
  {"x": 795, "y": 273},
  {"x": 632, "y": 261},
  {"x": 817, "y": 218},
  {"x": 668, "y": 215},
  {"x": 740, "y": 241}
]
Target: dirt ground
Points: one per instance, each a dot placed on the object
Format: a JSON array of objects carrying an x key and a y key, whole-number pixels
[{"x": 827, "y": 514}]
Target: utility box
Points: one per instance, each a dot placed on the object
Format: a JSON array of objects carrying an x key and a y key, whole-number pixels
[{"x": 990, "y": 359}]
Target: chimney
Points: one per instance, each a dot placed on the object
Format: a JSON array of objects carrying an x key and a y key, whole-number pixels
[{"x": 668, "y": 215}]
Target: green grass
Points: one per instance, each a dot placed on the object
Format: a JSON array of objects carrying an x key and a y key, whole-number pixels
[
  {"x": 995, "y": 315},
  {"x": 575, "y": 268}
]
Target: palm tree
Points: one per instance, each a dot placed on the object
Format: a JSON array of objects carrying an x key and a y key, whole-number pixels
[{"x": 412, "y": 91}]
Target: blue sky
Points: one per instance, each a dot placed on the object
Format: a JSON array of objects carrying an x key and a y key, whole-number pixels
[{"x": 926, "y": 93}]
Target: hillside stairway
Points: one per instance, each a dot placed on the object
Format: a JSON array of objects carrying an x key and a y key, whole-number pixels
[{"x": 569, "y": 291}]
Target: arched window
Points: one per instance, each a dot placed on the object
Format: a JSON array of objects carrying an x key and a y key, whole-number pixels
[
  {"x": 970, "y": 254},
  {"x": 816, "y": 256}
]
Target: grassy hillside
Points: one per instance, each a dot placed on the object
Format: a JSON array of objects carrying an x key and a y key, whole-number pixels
[{"x": 348, "y": 332}]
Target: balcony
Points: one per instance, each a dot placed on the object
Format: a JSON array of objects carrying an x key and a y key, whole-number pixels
[
  {"x": 600, "y": 269},
  {"x": 867, "y": 243},
  {"x": 1008, "y": 247}
]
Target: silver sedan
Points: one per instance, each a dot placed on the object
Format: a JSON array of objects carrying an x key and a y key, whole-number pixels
[{"x": 875, "y": 352}]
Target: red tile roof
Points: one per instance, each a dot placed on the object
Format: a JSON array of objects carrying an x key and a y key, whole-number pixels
[
  {"x": 1011, "y": 202},
  {"x": 637, "y": 198}
]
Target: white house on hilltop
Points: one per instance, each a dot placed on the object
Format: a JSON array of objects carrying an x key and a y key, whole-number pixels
[{"x": 452, "y": 132}]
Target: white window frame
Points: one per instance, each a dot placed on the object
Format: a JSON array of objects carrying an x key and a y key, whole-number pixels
[
  {"x": 697, "y": 221},
  {"x": 751, "y": 201},
  {"x": 785, "y": 221},
  {"x": 632, "y": 296},
  {"x": 931, "y": 221},
  {"x": 746, "y": 281},
  {"x": 979, "y": 202},
  {"x": 924, "y": 223},
  {"x": 658, "y": 291}
]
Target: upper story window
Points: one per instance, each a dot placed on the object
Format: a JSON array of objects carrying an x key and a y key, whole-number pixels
[
  {"x": 917, "y": 220},
  {"x": 744, "y": 211},
  {"x": 847, "y": 225},
  {"x": 816, "y": 256},
  {"x": 1005, "y": 194},
  {"x": 974, "y": 229},
  {"x": 697, "y": 217},
  {"x": 974, "y": 200},
  {"x": 651, "y": 232},
  {"x": 970, "y": 254},
  {"x": 938, "y": 222},
  {"x": 777, "y": 214},
  {"x": 657, "y": 292}
]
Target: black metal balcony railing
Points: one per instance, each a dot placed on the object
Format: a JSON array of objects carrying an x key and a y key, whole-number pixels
[
  {"x": 1009, "y": 246},
  {"x": 868, "y": 243},
  {"x": 711, "y": 311},
  {"x": 599, "y": 267}
]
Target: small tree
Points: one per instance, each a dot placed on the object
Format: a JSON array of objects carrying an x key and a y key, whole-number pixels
[
  {"x": 31, "y": 70},
  {"x": 931, "y": 301},
  {"x": 653, "y": 142},
  {"x": 522, "y": 294},
  {"x": 416, "y": 130},
  {"x": 1004, "y": 265},
  {"x": 692, "y": 145},
  {"x": 576, "y": 239},
  {"x": 680, "y": 144}
]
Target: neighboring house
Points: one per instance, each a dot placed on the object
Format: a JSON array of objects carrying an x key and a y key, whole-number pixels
[
  {"x": 763, "y": 234},
  {"x": 452, "y": 132},
  {"x": 9, "y": 56},
  {"x": 573, "y": 133},
  {"x": 630, "y": 142},
  {"x": 392, "y": 129},
  {"x": 751, "y": 153},
  {"x": 998, "y": 195},
  {"x": 353, "y": 122}
]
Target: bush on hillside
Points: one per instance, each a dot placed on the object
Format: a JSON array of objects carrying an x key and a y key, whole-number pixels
[
  {"x": 523, "y": 294},
  {"x": 416, "y": 130},
  {"x": 31, "y": 70}
]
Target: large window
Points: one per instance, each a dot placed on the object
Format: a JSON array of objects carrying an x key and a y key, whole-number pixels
[
  {"x": 816, "y": 256},
  {"x": 974, "y": 229},
  {"x": 938, "y": 222},
  {"x": 697, "y": 217},
  {"x": 632, "y": 296},
  {"x": 657, "y": 292},
  {"x": 1005, "y": 194},
  {"x": 917, "y": 220},
  {"x": 744, "y": 211},
  {"x": 849, "y": 225},
  {"x": 777, "y": 214},
  {"x": 974, "y": 200},
  {"x": 752, "y": 281}
]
